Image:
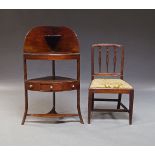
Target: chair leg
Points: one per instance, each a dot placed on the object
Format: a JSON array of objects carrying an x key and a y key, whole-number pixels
[
  {"x": 119, "y": 101},
  {"x": 89, "y": 106},
  {"x": 131, "y": 98},
  {"x": 26, "y": 107},
  {"x": 92, "y": 101},
  {"x": 78, "y": 107}
]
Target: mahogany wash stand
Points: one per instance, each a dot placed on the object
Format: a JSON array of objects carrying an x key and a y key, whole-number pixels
[{"x": 51, "y": 43}]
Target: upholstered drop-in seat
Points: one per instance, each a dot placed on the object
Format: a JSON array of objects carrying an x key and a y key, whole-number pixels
[{"x": 110, "y": 83}]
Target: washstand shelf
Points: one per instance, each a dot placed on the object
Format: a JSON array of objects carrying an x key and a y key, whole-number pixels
[{"x": 52, "y": 47}]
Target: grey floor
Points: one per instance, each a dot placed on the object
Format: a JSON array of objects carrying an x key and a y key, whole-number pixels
[{"x": 106, "y": 129}]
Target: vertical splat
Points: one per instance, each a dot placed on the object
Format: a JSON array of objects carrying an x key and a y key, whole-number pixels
[
  {"x": 99, "y": 58},
  {"x": 122, "y": 62},
  {"x": 107, "y": 59},
  {"x": 115, "y": 59}
]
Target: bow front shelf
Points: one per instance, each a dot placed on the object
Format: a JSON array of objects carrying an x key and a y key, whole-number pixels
[{"x": 52, "y": 84}]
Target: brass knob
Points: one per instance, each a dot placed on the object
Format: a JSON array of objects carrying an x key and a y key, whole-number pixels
[
  {"x": 51, "y": 87},
  {"x": 73, "y": 86},
  {"x": 30, "y": 85}
]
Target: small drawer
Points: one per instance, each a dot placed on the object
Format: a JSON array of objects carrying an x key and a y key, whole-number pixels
[
  {"x": 49, "y": 87},
  {"x": 46, "y": 87},
  {"x": 59, "y": 86}
]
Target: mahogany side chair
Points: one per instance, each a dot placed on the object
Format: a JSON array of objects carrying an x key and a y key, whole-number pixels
[
  {"x": 105, "y": 85},
  {"x": 52, "y": 43}
]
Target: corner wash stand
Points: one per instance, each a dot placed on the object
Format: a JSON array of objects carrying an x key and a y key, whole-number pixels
[{"x": 51, "y": 43}]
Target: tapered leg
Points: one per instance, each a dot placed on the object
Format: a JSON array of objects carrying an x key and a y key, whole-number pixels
[
  {"x": 131, "y": 98},
  {"x": 119, "y": 101},
  {"x": 26, "y": 107},
  {"x": 89, "y": 106},
  {"x": 78, "y": 107},
  {"x": 92, "y": 101}
]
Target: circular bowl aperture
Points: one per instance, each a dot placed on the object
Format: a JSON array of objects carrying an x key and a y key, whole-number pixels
[{"x": 52, "y": 41}]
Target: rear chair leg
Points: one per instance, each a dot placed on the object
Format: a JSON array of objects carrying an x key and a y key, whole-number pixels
[{"x": 131, "y": 98}]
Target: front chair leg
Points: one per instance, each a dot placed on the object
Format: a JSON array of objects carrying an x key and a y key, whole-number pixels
[
  {"x": 92, "y": 101},
  {"x": 89, "y": 106},
  {"x": 119, "y": 101},
  {"x": 131, "y": 98},
  {"x": 78, "y": 107}
]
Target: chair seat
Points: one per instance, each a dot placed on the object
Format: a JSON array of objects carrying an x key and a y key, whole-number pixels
[{"x": 110, "y": 83}]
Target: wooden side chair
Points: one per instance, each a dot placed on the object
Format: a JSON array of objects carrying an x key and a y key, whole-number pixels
[
  {"x": 114, "y": 85},
  {"x": 52, "y": 43}
]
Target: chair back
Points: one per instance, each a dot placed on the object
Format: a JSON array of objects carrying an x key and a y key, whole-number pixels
[{"x": 113, "y": 60}]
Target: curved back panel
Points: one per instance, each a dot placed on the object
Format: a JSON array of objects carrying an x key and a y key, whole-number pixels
[{"x": 45, "y": 39}]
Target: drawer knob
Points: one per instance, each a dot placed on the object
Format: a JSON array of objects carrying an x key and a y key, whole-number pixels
[
  {"x": 51, "y": 87},
  {"x": 30, "y": 85},
  {"x": 73, "y": 86}
]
